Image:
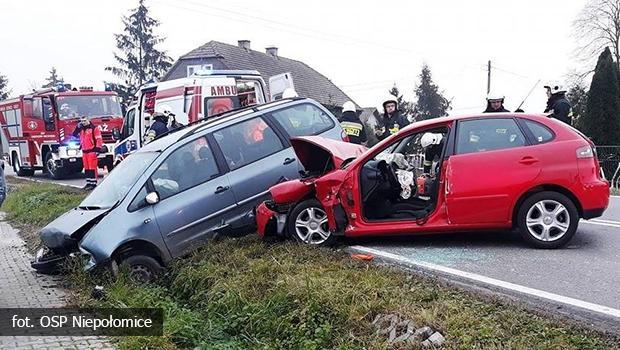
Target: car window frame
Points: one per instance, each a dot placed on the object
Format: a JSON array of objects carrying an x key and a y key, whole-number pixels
[
  {"x": 530, "y": 133},
  {"x": 455, "y": 150},
  {"x": 221, "y": 171},
  {"x": 268, "y": 114},
  {"x": 283, "y": 141}
]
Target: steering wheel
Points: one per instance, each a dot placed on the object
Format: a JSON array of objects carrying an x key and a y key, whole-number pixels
[{"x": 389, "y": 174}]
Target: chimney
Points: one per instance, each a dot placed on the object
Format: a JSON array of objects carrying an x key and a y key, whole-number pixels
[
  {"x": 244, "y": 44},
  {"x": 272, "y": 51}
]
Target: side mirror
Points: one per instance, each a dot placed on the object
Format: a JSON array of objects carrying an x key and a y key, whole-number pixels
[
  {"x": 116, "y": 134},
  {"x": 152, "y": 198}
]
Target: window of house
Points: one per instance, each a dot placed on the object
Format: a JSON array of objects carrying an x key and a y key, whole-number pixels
[
  {"x": 303, "y": 120},
  {"x": 487, "y": 135},
  {"x": 198, "y": 67},
  {"x": 247, "y": 142}
]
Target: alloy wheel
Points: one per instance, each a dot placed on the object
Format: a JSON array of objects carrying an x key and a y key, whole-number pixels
[
  {"x": 311, "y": 226},
  {"x": 547, "y": 220}
]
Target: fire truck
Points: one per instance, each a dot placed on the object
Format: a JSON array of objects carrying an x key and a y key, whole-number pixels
[
  {"x": 203, "y": 94},
  {"x": 37, "y": 129}
]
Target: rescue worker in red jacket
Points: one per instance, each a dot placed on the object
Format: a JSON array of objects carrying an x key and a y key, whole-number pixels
[{"x": 91, "y": 143}]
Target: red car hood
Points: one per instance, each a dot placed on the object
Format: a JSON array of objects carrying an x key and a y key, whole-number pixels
[{"x": 319, "y": 154}]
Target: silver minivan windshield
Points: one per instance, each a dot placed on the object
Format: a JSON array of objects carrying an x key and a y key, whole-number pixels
[{"x": 116, "y": 185}]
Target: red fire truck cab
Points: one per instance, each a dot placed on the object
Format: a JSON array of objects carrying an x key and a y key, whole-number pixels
[{"x": 37, "y": 129}]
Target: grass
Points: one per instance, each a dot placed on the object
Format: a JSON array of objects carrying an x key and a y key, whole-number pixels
[{"x": 248, "y": 294}]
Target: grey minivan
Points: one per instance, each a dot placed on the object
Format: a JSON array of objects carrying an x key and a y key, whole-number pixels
[{"x": 179, "y": 191}]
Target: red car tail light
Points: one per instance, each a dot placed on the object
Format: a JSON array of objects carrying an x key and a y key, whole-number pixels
[{"x": 585, "y": 152}]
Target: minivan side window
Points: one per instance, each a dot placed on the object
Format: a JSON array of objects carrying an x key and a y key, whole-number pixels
[
  {"x": 303, "y": 120},
  {"x": 541, "y": 133},
  {"x": 247, "y": 142},
  {"x": 482, "y": 135},
  {"x": 188, "y": 166}
]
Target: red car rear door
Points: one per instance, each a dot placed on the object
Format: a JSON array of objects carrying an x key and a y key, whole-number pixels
[{"x": 490, "y": 168}]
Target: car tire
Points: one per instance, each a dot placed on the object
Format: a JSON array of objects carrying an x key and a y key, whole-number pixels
[
  {"x": 307, "y": 223},
  {"x": 142, "y": 268},
  {"x": 547, "y": 220},
  {"x": 18, "y": 169},
  {"x": 51, "y": 170}
]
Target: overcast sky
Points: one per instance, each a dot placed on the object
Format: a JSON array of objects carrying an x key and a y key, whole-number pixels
[{"x": 364, "y": 46}]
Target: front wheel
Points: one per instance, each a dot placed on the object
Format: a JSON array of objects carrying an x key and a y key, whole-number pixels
[
  {"x": 547, "y": 220},
  {"x": 17, "y": 168},
  {"x": 54, "y": 171},
  {"x": 307, "y": 223},
  {"x": 142, "y": 268}
]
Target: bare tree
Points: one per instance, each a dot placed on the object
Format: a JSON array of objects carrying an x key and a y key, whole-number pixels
[{"x": 598, "y": 26}]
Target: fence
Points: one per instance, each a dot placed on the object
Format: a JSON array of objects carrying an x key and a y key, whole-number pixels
[{"x": 609, "y": 159}]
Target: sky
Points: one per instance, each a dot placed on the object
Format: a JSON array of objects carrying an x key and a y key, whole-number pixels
[{"x": 364, "y": 47}]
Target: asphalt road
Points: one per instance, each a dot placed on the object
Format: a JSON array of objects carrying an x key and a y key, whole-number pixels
[
  {"x": 587, "y": 269},
  {"x": 76, "y": 180}
]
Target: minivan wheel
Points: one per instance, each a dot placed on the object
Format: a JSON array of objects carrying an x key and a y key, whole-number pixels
[
  {"x": 142, "y": 268},
  {"x": 307, "y": 223},
  {"x": 547, "y": 220}
]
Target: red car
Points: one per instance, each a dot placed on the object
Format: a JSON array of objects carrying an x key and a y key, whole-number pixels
[{"x": 484, "y": 172}]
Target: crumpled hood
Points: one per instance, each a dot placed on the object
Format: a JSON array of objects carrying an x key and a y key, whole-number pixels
[
  {"x": 69, "y": 228},
  {"x": 320, "y": 154}
]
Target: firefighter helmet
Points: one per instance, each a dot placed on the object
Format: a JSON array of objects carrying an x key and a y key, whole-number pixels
[
  {"x": 430, "y": 138},
  {"x": 164, "y": 109},
  {"x": 388, "y": 99},
  {"x": 555, "y": 87},
  {"x": 494, "y": 96},
  {"x": 348, "y": 107}
]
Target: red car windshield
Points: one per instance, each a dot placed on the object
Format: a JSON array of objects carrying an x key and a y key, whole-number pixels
[{"x": 70, "y": 107}]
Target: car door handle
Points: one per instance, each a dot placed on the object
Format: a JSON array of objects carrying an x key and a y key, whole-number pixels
[
  {"x": 288, "y": 161},
  {"x": 221, "y": 189},
  {"x": 528, "y": 160}
]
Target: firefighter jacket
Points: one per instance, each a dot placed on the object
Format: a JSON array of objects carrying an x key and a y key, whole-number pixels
[
  {"x": 390, "y": 124},
  {"x": 90, "y": 137},
  {"x": 353, "y": 127},
  {"x": 559, "y": 107}
]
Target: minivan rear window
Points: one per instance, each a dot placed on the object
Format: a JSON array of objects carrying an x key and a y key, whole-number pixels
[{"x": 303, "y": 120}]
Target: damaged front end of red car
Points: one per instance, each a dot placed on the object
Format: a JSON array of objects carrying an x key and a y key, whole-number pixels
[{"x": 322, "y": 159}]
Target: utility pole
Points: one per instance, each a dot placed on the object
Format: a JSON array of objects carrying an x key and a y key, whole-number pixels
[{"x": 489, "y": 77}]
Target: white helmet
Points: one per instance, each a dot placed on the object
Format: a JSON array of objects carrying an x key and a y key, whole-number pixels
[
  {"x": 494, "y": 96},
  {"x": 430, "y": 138},
  {"x": 164, "y": 109},
  {"x": 289, "y": 93},
  {"x": 348, "y": 107},
  {"x": 555, "y": 87},
  {"x": 389, "y": 98}
]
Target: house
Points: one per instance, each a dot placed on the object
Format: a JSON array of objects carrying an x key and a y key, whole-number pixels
[{"x": 219, "y": 56}]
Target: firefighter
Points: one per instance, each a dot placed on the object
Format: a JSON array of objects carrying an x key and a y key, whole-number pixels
[
  {"x": 432, "y": 144},
  {"x": 495, "y": 103},
  {"x": 167, "y": 111},
  {"x": 352, "y": 125},
  {"x": 557, "y": 104},
  {"x": 158, "y": 127},
  {"x": 91, "y": 143},
  {"x": 391, "y": 121}
]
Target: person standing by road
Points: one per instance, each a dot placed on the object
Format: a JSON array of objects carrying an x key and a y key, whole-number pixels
[
  {"x": 495, "y": 103},
  {"x": 352, "y": 125},
  {"x": 391, "y": 121},
  {"x": 557, "y": 103},
  {"x": 90, "y": 143}
]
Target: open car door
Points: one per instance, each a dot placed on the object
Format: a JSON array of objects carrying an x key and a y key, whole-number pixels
[{"x": 279, "y": 83}]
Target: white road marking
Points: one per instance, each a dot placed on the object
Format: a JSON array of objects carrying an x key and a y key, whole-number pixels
[
  {"x": 494, "y": 282},
  {"x": 607, "y": 223}
]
